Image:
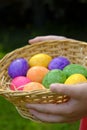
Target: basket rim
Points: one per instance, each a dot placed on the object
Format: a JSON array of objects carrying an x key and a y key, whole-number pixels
[{"x": 44, "y": 42}]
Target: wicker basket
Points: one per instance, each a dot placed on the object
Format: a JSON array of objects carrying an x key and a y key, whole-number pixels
[{"x": 75, "y": 51}]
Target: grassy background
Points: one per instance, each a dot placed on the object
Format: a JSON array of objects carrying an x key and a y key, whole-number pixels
[
  {"x": 14, "y": 37},
  {"x": 11, "y": 120}
]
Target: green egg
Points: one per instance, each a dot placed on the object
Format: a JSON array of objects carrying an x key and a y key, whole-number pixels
[
  {"x": 75, "y": 68},
  {"x": 54, "y": 76}
]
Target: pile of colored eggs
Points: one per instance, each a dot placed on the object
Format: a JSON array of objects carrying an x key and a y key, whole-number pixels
[{"x": 42, "y": 70}]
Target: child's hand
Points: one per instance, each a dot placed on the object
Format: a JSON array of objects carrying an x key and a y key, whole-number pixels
[
  {"x": 73, "y": 110},
  {"x": 44, "y": 38}
]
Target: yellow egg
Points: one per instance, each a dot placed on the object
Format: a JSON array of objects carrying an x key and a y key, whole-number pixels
[
  {"x": 40, "y": 59},
  {"x": 75, "y": 78}
]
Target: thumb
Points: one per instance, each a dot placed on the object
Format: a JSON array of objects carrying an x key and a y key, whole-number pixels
[{"x": 73, "y": 91}]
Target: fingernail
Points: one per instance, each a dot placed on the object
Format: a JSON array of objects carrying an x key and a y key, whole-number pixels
[
  {"x": 27, "y": 105},
  {"x": 52, "y": 86},
  {"x": 31, "y": 111}
]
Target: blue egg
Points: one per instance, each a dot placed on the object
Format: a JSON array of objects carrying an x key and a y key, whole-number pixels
[
  {"x": 18, "y": 67},
  {"x": 58, "y": 63}
]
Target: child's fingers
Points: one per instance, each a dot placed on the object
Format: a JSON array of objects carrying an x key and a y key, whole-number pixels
[
  {"x": 44, "y": 38},
  {"x": 74, "y": 91}
]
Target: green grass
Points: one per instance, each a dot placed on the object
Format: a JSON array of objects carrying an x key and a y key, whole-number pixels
[
  {"x": 12, "y": 38},
  {"x": 11, "y": 120}
]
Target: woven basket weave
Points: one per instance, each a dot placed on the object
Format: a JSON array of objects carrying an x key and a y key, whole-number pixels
[{"x": 75, "y": 51}]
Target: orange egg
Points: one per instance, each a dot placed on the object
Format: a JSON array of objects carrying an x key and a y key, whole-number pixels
[
  {"x": 37, "y": 73},
  {"x": 33, "y": 86}
]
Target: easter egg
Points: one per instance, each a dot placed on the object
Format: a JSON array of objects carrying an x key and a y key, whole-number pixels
[
  {"x": 58, "y": 63},
  {"x": 54, "y": 76},
  {"x": 33, "y": 86},
  {"x": 18, "y": 67},
  {"x": 40, "y": 60},
  {"x": 18, "y": 82},
  {"x": 37, "y": 73},
  {"x": 75, "y": 78},
  {"x": 75, "y": 68}
]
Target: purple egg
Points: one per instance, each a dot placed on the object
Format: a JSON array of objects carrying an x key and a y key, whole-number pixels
[
  {"x": 18, "y": 67},
  {"x": 58, "y": 63}
]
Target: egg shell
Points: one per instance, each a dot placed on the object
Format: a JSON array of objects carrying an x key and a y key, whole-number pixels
[
  {"x": 18, "y": 67},
  {"x": 33, "y": 86},
  {"x": 75, "y": 78},
  {"x": 75, "y": 68},
  {"x": 37, "y": 73},
  {"x": 18, "y": 82},
  {"x": 54, "y": 76},
  {"x": 58, "y": 63},
  {"x": 40, "y": 59}
]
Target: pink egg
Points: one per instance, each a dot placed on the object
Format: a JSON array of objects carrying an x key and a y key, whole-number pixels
[{"x": 19, "y": 82}]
